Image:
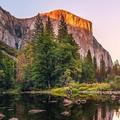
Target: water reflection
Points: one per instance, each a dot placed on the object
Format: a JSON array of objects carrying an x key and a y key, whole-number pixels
[
  {"x": 19, "y": 106},
  {"x": 116, "y": 115}
]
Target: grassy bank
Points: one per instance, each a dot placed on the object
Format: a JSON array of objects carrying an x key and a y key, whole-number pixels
[
  {"x": 76, "y": 89},
  {"x": 73, "y": 90}
]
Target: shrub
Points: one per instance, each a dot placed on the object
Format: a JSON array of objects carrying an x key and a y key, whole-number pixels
[{"x": 115, "y": 84}]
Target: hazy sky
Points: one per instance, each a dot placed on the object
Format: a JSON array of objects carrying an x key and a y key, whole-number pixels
[{"x": 104, "y": 14}]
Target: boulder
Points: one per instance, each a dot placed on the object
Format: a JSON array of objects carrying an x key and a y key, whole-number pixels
[
  {"x": 78, "y": 102},
  {"x": 1, "y": 116},
  {"x": 66, "y": 113},
  {"x": 53, "y": 101},
  {"x": 67, "y": 102},
  {"x": 13, "y": 118},
  {"x": 34, "y": 111}
]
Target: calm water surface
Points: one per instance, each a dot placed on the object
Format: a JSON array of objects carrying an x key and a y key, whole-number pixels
[{"x": 20, "y": 106}]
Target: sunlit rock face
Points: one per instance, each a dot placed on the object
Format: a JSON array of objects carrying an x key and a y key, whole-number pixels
[
  {"x": 15, "y": 32},
  {"x": 70, "y": 19}
]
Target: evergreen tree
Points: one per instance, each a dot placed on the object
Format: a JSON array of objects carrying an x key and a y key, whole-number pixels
[
  {"x": 7, "y": 72},
  {"x": 95, "y": 67},
  {"x": 54, "y": 63},
  {"x": 2, "y": 74},
  {"x": 89, "y": 57},
  {"x": 43, "y": 65},
  {"x": 39, "y": 25},
  {"x": 109, "y": 70},
  {"x": 116, "y": 68},
  {"x": 88, "y": 70},
  {"x": 43, "y": 62},
  {"x": 62, "y": 29},
  {"x": 49, "y": 28},
  {"x": 65, "y": 61},
  {"x": 102, "y": 70},
  {"x": 1, "y": 60},
  {"x": 95, "y": 63}
]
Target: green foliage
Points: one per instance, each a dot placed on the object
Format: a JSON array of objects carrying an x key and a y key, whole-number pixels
[
  {"x": 7, "y": 67},
  {"x": 53, "y": 63},
  {"x": 44, "y": 58},
  {"x": 116, "y": 68},
  {"x": 39, "y": 28},
  {"x": 7, "y": 72},
  {"x": 59, "y": 91},
  {"x": 88, "y": 69},
  {"x": 7, "y": 49},
  {"x": 49, "y": 28},
  {"x": 89, "y": 57},
  {"x": 115, "y": 83},
  {"x": 102, "y": 70},
  {"x": 67, "y": 66},
  {"x": 77, "y": 88},
  {"x": 95, "y": 62},
  {"x": 62, "y": 29}
]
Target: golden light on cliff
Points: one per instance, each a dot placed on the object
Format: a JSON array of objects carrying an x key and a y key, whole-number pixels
[{"x": 70, "y": 19}]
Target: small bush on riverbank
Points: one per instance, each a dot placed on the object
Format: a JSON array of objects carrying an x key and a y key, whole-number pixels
[
  {"x": 91, "y": 87},
  {"x": 115, "y": 84},
  {"x": 60, "y": 91}
]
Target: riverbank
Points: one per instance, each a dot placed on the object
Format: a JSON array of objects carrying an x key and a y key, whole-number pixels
[
  {"x": 76, "y": 89},
  {"x": 72, "y": 90},
  {"x": 96, "y": 91}
]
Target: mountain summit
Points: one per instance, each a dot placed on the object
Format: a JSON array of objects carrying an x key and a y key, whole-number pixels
[
  {"x": 70, "y": 19},
  {"x": 16, "y": 32}
]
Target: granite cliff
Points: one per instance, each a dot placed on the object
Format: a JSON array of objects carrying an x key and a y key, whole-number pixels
[{"x": 15, "y": 32}]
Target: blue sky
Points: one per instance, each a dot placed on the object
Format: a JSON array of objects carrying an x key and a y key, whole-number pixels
[{"x": 104, "y": 14}]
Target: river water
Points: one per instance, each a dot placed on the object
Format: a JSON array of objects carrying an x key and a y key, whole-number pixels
[{"x": 47, "y": 107}]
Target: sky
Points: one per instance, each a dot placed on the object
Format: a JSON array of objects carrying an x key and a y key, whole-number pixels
[{"x": 104, "y": 14}]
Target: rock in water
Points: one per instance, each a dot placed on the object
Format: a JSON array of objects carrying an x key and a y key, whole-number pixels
[
  {"x": 67, "y": 102},
  {"x": 13, "y": 118},
  {"x": 78, "y": 102},
  {"x": 66, "y": 113},
  {"x": 1, "y": 116},
  {"x": 54, "y": 101},
  {"x": 34, "y": 111}
]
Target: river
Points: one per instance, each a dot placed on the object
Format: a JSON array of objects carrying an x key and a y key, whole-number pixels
[{"x": 47, "y": 107}]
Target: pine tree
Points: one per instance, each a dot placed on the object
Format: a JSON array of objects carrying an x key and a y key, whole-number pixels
[
  {"x": 62, "y": 29},
  {"x": 89, "y": 57},
  {"x": 88, "y": 70},
  {"x": 39, "y": 27},
  {"x": 2, "y": 74},
  {"x": 49, "y": 28},
  {"x": 95, "y": 63},
  {"x": 7, "y": 72},
  {"x": 95, "y": 67},
  {"x": 1, "y": 60},
  {"x": 54, "y": 63},
  {"x": 102, "y": 70},
  {"x": 116, "y": 68},
  {"x": 42, "y": 67},
  {"x": 43, "y": 62},
  {"x": 66, "y": 38},
  {"x": 109, "y": 70}
]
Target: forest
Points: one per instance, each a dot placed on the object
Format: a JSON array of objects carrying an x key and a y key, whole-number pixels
[{"x": 50, "y": 61}]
